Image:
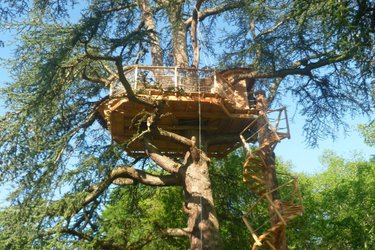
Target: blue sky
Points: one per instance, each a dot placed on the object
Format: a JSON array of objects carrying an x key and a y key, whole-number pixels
[{"x": 306, "y": 159}]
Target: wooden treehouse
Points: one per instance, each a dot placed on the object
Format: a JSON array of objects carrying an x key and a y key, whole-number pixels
[
  {"x": 217, "y": 106},
  {"x": 204, "y": 100}
]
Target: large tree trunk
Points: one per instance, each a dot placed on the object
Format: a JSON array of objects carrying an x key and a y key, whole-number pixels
[
  {"x": 199, "y": 204},
  {"x": 266, "y": 141},
  {"x": 202, "y": 225},
  {"x": 156, "y": 52},
  {"x": 179, "y": 53}
]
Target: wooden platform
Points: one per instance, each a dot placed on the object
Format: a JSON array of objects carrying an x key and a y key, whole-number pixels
[{"x": 218, "y": 118}]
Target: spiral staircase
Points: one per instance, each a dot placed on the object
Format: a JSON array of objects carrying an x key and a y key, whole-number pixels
[{"x": 254, "y": 176}]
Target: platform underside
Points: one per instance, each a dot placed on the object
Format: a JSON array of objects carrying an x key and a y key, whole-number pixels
[{"x": 185, "y": 114}]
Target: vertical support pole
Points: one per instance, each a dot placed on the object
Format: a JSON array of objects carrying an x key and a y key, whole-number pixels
[
  {"x": 111, "y": 88},
  {"x": 135, "y": 78},
  {"x": 287, "y": 123},
  {"x": 215, "y": 84},
  {"x": 175, "y": 77},
  {"x": 252, "y": 231}
]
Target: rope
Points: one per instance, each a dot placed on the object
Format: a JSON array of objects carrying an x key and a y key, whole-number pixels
[
  {"x": 200, "y": 147},
  {"x": 200, "y": 128}
]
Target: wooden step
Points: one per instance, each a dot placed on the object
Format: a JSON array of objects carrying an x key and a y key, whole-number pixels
[
  {"x": 250, "y": 174},
  {"x": 255, "y": 168},
  {"x": 271, "y": 230},
  {"x": 254, "y": 161},
  {"x": 257, "y": 178}
]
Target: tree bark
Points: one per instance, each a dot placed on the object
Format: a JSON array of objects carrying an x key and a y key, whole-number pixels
[
  {"x": 202, "y": 225},
  {"x": 179, "y": 53},
  {"x": 266, "y": 139},
  {"x": 156, "y": 52},
  {"x": 199, "y": 204}
]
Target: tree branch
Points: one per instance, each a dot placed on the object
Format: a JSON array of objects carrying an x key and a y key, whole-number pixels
[
  {"x": 129, "y": 91},
  {"x": 163, "y": 161},
  {"x": 99, "y": 243},
  {"x": 176, "y": 137},
  {"x": 128, "y": 176},
  {"x": 144, "y": 177},
  {"x": 296, "y": 69},
  {"x": 193, "y": 33},
  {"x": 97, "y": 79},
  {"x": 274, "y": 28},
  {"x": 121, "y": 75},
  {"x": 213, "y": 11},
  {"x": 176, "y": 232}
]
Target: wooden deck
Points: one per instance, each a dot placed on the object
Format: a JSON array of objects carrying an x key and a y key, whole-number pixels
[{"x": 218, "y": 118}]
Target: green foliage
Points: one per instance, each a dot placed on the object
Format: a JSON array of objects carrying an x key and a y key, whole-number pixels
[
  {"x": 339, "y": 207},
  {"x": 368, "y": 132},
  {"x": 232, "y": 199},
  {"x": 136, "y": 215}
]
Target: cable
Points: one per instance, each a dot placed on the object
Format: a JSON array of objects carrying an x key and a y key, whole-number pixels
[{"x": 200, "y": 148}]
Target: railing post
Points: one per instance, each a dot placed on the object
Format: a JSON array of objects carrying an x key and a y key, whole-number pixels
[
  {"x": 175, "y": 77},
  {"x": 135, "y": 78},
  {"x": 111, "y": 88},
  {"x": 215, "y": 83}
]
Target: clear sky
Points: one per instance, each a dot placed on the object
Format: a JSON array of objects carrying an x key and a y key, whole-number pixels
[{"x": 306, "y": 159}]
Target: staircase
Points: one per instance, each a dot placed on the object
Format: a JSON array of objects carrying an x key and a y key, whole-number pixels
[{"x": 254, "y": 170}]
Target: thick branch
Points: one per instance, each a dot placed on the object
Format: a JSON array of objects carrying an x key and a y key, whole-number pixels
[
  {"x": 163, "y": 161},
  {"x": 176, "y": 232},
  {"x": 193, "y": 33},
  {"x": 129, "y": 91},
  {"x": 121, "y": 75},
  {"x": 306, "y": 70},
  {"x": 144, "y": 177},
  {"x": 176, "y": 137},
  {"x": 128, "y": 176},
  {"x": 213, "y": 11}
]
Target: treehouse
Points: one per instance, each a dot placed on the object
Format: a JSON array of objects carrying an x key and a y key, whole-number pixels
[
  {"x": 204, "y": 100},
  {"x": 222, "y": 111}
]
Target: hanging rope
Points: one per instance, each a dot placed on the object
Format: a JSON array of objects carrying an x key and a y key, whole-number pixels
[
  {"x": 200, "y": 147},
  {"x": 199, "y": 128}
]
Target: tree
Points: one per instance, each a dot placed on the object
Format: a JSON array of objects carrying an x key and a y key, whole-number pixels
[
  {"x": 136, "y": 213},
  {"x": 339, "y": 211},
  {"x": 335, "y": 205},
  {"x": 320, "y": 52}
]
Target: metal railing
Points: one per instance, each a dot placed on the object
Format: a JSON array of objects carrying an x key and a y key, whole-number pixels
[{"x": 174, "y": 79}]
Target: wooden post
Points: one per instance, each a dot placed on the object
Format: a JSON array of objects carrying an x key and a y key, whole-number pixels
[
  {"x": 135, "y": 78},
  {"x": 175, "y": 77}
]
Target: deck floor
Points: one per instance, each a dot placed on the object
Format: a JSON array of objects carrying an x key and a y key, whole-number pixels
[{"x": 217, "y": 118}]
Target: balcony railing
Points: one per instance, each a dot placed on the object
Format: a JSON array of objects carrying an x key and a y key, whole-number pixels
[{"x": 175, "y": 79}]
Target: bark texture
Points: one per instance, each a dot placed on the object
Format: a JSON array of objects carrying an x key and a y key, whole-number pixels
[{"x": 199, "y": 204}]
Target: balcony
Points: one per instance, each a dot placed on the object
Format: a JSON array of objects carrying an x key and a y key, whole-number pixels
[{"x": 181, "y": 80}]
